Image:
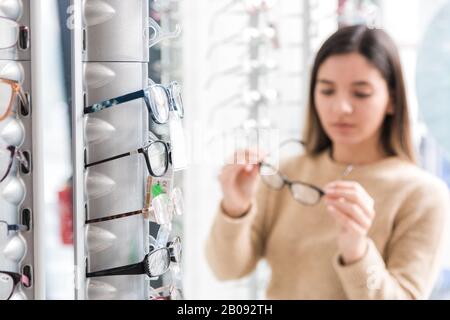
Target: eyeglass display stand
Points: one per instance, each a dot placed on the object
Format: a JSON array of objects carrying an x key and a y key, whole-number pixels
[
  {"x": 259, "y": 279},
  {"x": 110, "y": 58},
  {"x": 21, "y": 195},
  {"x": 254, "y": 85},
  {"x": 165, "y": 57}
]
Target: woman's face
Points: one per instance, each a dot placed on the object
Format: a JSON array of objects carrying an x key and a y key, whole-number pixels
[{"x": 352, "y": 99}]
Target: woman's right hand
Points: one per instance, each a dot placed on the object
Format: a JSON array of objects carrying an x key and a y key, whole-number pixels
[{"x": 238, "y": 182}]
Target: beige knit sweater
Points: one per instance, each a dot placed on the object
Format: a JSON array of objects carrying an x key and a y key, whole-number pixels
[{"x": 407, "y": 237}]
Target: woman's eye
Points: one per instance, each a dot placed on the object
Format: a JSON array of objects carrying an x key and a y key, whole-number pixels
[
  {"x": 362, "y": 95},
  {"x": 327, "y": 92}
]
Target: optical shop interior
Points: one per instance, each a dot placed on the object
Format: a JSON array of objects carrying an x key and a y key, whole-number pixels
[{"x": 224, "y": 150}]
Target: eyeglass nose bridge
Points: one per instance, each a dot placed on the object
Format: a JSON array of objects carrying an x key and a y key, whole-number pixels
[{"x": 286, "y": 181}]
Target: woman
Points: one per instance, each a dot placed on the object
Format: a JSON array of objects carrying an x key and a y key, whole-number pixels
[{"x": 378, "y": 232}]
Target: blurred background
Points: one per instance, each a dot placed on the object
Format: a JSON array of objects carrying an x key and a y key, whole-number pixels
[{"x": 244, "y": 67}]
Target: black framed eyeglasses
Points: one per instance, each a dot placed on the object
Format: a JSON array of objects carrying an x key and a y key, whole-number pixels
[
  {"x": 7, "y": 157},
  {"x": 159, "y": 100},
  {"x": 8, "y": 283},
  {"x": 154, "y": 264},
  {"x": 156, "y": 155},
  {"x": 302, "y": 192}
]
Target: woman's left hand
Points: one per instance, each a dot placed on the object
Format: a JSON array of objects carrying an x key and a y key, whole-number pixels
[{"x": 353, "y": 209}]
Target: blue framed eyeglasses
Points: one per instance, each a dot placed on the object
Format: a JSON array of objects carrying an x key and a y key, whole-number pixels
[{"x": 159, "y": 100}]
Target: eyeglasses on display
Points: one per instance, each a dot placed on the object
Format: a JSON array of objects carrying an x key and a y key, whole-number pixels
[
  {"x": 250, "y": 7},
  {"x": 159, "y": 100},
  {"x": 154, "y": 264},
  {"x": 248, "y": 99},
  {"x": 156, "y": 155},
  {"x": 9, "y": 90},
  {"x": 9, "y": 282},
  {"x": 247, "y": 36},
  {"x": 7, "y": 159},
  {"x": 250, "y": 67},
  {"x": 162, "y": 209}
]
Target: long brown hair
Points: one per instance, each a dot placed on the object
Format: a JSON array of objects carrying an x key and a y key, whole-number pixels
[{"x": 380, "y": 50}]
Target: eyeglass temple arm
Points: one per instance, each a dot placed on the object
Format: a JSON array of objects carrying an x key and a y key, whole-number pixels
[
  {"x": 17, "y": 277},
  {"x": 11, "y": 149},
  {"x": 116, "y": 216},
  {"x": 132, "y": 269},
  {"x": 123, "y": 155},
  {"x": 15, "y": 227},
  {"x": 96, "y": 107}
]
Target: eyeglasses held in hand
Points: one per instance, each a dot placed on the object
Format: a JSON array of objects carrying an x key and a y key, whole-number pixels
[
  {"x": 9, "y": 282},
  {"x": 156, "y": 155},
  {"x": 154, "y": 264},
  {"x": 302, "y": 192},
  {"x": 13, "y": 34},
  {"x": 159, "y": 100},
  {"x": 9, "y": 90},
  {"x": 7, "y": 157}
]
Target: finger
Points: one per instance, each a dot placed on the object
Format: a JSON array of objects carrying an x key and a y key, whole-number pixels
[
  {"x": 344, "y": 221},
  {"x": 230, "y": 173},
  {"x": 344, "y": 184},
  {"x": 241, "y": 156},
  {"x": 348, "y": 186},
  {"x": 248, "y": 156},
  {"x": 354, "y": 197},
  {"x": 353, "y": 211}
]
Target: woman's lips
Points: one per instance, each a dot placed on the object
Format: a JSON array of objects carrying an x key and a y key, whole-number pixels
[{"x": 343, "y": 126}]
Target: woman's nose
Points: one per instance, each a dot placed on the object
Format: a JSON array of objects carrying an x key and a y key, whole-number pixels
[{"x": 342, "y": 105}]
